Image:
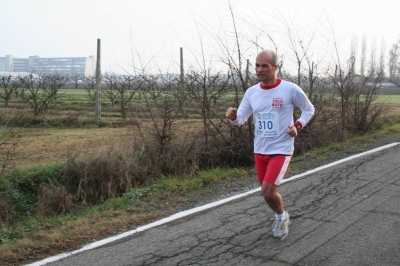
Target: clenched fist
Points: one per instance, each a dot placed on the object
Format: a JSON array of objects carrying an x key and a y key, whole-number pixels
[{"x": 231, "y": 113}]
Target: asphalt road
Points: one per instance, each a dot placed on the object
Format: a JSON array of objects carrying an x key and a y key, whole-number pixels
[{"x": 345, "y": 214}]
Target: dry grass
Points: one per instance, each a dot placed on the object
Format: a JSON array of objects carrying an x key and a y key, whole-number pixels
[
  {"x": 75, "y": 232},
  {"x": 41, "y": 146},
  {"x": 38, "y": 147},
  {"x": 11, "y": 255}
]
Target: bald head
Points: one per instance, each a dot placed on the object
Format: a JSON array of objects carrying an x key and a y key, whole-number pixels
[{"x": 268, "y": 55}]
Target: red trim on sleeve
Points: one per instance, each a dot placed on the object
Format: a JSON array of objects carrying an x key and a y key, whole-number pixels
[{"x": 298, "y": 124}]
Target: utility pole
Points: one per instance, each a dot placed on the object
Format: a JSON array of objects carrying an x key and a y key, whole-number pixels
[
  {"x": 97, "y": 115},
  {"x": 182, "y": 86}
]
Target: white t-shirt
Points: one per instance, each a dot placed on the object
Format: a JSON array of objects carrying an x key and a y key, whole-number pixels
[{"x": 272, "y": 111}]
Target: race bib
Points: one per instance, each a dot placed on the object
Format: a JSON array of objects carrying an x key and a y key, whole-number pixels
[{"x": 267, "y": 124}]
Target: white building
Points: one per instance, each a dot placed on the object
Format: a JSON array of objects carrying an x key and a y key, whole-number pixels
[{"x": 85, "y": 66}]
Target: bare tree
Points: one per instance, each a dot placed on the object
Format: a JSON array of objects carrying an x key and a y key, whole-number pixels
[
  {"x": 37, "y": 93},
  {"x": 76, "y": 80},
  {"x": 89, "y": 83},
  {"x": 126, "y": 86},
  {"x": 382, "y": 58},
  {"x": 9, "y": 140},
  {"x": 394, "y": 63},
  {"x": 357, "y": 93},
  {"x": 204, "y": 90},
  {"x": 162, "y": 108},
  {"x": 372, "y": 65},
  {"x": 52, "y": 84},
  {"x": 8, "y": 86},
  {"x": 363, "y": 57},
  {"x": 110, "y": 91}
]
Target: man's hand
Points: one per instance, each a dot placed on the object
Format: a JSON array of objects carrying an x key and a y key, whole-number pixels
[
  {"x": 292, "y": 131},
  {"x": 231, "y": 113}
]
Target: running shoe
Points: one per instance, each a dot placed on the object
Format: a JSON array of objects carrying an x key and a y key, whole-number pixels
[
  {"x": 274, "y": 225},
  {"x": 281, "y": 227}
]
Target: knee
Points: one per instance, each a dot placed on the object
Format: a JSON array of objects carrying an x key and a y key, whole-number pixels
[{"x": 268, "y": 192}]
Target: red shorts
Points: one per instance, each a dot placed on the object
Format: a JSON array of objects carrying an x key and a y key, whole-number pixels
[{"x": 271, "y": 168}]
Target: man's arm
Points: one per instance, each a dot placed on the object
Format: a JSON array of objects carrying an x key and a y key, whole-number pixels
[{"x": 306, "y": 107}]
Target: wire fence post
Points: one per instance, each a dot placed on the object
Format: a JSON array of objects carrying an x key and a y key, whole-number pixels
[{"x": 97, "y": 114}]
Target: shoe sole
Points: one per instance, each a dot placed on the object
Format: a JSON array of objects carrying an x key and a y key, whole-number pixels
[
  {"x": 282, "y": 237},
  {"x": 277, "y": 239}
]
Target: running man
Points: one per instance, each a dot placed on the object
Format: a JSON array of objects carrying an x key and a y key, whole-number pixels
[{"x": 272, "y": 103}]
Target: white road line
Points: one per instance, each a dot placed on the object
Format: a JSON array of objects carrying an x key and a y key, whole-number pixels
[{"x": 197, "y": 209}]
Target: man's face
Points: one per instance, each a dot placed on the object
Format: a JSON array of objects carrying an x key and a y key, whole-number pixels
[{"x": 265, "y": 71}]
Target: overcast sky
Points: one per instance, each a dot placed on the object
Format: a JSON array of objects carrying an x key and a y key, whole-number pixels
[{"x": 149, "y": 33}]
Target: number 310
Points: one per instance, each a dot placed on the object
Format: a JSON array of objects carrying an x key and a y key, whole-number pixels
[{"x": 265, "y": 125}]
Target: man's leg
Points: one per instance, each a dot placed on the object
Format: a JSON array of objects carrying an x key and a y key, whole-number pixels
[
  {"x": 272, "y": 197},
  {"x": 274, "y": 173}
]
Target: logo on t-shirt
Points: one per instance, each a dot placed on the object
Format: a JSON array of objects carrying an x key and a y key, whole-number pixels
[{"x": 277, "y": 102}]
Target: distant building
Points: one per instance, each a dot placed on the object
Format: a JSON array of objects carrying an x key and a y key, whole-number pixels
[{"x": 58, "y": 65}]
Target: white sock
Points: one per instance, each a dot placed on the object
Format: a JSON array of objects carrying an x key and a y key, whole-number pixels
[{"x": 280, "y": 216}]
